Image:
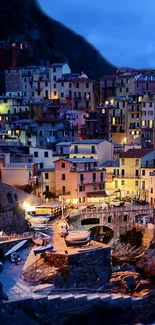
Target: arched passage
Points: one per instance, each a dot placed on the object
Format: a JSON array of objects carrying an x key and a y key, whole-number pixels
[
  {"x": 90, "y": 221},
  {"x": 102, "y": 233}
]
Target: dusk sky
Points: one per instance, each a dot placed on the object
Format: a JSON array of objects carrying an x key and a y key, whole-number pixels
[{"x": 123, "y": 31}]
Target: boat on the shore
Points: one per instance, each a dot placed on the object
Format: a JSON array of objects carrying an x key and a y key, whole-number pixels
[
  {"x": 16, "y": 247},
  {"x": 39, "y": 218},
  {"x": 41, "y": 238},
  {"x": 43, "y": 249},
  {"x": 77, "y": 238}
]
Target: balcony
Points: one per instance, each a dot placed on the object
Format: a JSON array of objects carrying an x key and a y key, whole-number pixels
[
  {"x": 89, "y": 181},
  {"x": 127, "y": 177},
  {"x": 86, "y": 169},
  {"x": 77, "y": 97}
]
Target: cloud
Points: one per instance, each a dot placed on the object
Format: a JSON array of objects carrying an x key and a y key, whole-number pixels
[{"x": 122, "y": 31}]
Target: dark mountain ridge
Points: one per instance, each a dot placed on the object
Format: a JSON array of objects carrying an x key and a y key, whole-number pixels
[{"x": 24, "y": 21}]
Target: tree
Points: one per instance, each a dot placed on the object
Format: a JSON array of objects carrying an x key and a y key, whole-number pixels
[
  {"x": 28, "y": 188},
  {"x": 49, "y": 195}
]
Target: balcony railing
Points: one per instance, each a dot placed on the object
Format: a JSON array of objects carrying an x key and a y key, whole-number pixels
[
  {"x": 91, "y": 181},
  {"x": 127, "y": 177},
  {"x": 86, "y": 169}
]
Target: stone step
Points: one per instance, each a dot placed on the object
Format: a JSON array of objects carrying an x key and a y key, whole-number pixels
[
  {"x": 67, "y": 296},
  {"x": 116, "y": 297},
  {"x": 93, "y": 296},
  {"x": 80, "y": 297},
  {"x": 105, "y": 296},
  {"x": 54, "y": 297}
]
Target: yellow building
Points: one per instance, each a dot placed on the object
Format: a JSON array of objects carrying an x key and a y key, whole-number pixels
[{"x": 131, "y": 176}]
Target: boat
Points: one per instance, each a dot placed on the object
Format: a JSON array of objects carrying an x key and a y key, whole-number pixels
[
  {"x": 15, "y": 258},
  {"x": 43, "y": 249},
  {"x": 78, "y": 238},
  {"x": 73, "y": 242},
  {"x": 41, "y": 238},
  {"x": 38, "y": 219},
  {"x": 16, "y": 247},
  {"x": 39, "y": 227}
]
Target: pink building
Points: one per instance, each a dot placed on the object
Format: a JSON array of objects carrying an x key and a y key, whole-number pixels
[{"x": 80, "y": 180}]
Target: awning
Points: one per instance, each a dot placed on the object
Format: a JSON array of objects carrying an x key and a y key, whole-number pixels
[{"x": 98, "y": 194}]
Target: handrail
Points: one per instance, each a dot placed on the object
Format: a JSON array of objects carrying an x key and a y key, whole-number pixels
[{"x": 12, "y": 237}]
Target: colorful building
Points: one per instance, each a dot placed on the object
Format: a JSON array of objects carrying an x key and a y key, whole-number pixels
[{"x": 81, "y": 180}]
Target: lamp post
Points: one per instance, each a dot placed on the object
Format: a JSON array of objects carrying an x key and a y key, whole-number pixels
[{"x": 62, "y": 208}]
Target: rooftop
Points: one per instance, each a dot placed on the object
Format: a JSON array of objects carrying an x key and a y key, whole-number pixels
[
  {"x": 93, "y": 141},
  {"x": 111, "y": 163},
  {"x": 48, "y": 169},
  {"x": 136, "y": 153},
  {"x": 64, "y": 144},
  {"x": 58, "y": 64}
]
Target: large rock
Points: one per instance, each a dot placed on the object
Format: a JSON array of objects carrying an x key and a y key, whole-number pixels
[
  {"x": 146, "y": 264},
  {"x": 123, "y": 282}
]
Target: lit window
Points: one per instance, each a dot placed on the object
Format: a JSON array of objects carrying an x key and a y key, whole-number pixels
[
  {"x": 103, "y": 111},
  {"x": 112, "y": 102},
  {"x": 113, "y": 120},
  {"x": 143, "y": 123},
  {"x": 106, "y": 102},
  {"x": 17, "y": 132},
  {"x": 0, "y": 118},
  {"x": 151, "y": 124},
  {"x": 9, "y": 132}
]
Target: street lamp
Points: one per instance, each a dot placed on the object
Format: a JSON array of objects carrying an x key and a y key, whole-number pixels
[{"x": 62, "y": 208}]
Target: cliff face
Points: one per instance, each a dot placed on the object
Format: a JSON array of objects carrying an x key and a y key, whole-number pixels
[{"x": 23, "y": 20}]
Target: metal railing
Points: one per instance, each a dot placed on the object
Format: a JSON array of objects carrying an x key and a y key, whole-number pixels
[{"x": 13, "y": 237}]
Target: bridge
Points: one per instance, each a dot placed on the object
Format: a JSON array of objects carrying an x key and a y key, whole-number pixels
[{"x": 118, "y": 219}]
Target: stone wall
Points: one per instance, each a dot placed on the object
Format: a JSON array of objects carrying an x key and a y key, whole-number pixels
[
  {"x": 8, "y": 197},
  {"x": 91, "y": 269},
  {"x": 13, "y": 221},
  {"x": 57, "y": 310}
]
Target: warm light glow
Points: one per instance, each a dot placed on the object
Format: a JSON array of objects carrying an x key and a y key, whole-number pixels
[
  {"x": 143, "y": 123},
  {"x": 112, "y": 101},
  {"x": 151, "y": 124},
  {"x": 9, "y": 132},
  {"x": 0, "y": 118},
  {"x": 113, "y": 120},
  {"x": 75, "y": 201},
  {"x": 54, "y": 94},
  {"x": 103, "y": 111},
  {"x": 140, "y": 99},
  {"x": 124, "y": 140},
  {"x": 133, "y": 132},
  {"x": 107, "y": 102},
  {"x": 17, "y": 132},
  {"x": 28, "y": 207}
]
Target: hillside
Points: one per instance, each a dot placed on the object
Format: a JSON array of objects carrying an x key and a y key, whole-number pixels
[{"x": 23, "y": 20}]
